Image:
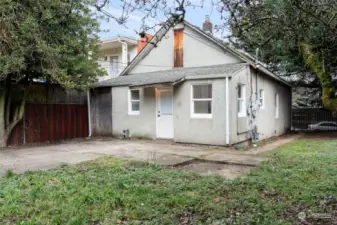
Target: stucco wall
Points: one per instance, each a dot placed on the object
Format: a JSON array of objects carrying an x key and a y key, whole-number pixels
[
  {"x": 101, "y": 111},
  {"x": 280, "y": 125},
  {"x": 186, "y": 129},
  {"x": 265, "y": 120},
  {"x": 198, "y": 51},
  {"x": 143, "y": 125},
  {"x": 197, "y": 130}
]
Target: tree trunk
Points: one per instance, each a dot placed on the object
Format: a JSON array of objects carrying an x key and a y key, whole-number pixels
[
  {"x": 6, "y": 127},
  {"x": 312, "y": 60},
  {"x": 2, "y": 117}
]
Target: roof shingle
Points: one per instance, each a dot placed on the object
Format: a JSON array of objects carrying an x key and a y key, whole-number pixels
[{"x": 173, "y": 75}]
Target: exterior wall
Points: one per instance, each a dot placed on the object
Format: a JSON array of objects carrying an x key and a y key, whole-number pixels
[
  {"x": 159, "y": 58},
  {"x": 265, "y": 120},
  {"x": 283, "y": 123},
  {"x": 186, "y": 129},
  {"x": 143, "y": 125},
  {"x": 198, "y": 51},
  {"x": 101, "y": 111},
  {"x": 197, "y": 130}
]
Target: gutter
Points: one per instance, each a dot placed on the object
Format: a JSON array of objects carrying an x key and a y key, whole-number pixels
[
  {"x": 89, "y": 113},
  {"x": 227, "y": 111}
]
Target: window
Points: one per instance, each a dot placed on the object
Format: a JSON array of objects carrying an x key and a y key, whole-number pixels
[
  {"x": 105, "y": 58},
  {"x": 129, "y": 58},
  {"x": 134, "y": 102},
  {"x": 276, "y": 106},
  {"x": 241, "y": 100},
  {"x": 201, "y": 106},
  {"x": 261, "y": 99}
]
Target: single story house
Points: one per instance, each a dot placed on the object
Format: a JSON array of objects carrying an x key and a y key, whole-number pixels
[{"x": 191, "y": 88}]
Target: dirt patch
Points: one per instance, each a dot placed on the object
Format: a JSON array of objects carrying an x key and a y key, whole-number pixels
[
  {"x": 316, "y": 135},
  {"x": 211, "y": 168}
]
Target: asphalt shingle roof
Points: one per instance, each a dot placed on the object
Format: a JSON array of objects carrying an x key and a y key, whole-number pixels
[{"x": 172, "y": 75}]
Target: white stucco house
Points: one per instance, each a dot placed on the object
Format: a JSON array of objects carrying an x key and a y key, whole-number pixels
[{"x": 192, "y": 88}]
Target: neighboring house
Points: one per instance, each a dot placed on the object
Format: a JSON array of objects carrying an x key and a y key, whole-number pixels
[
  {"x": 115, "y": 55},
  {"x": 191, "y": 88},
  {"x": 117, "y": 52}
]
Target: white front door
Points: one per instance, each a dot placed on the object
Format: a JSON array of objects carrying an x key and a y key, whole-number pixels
[{"x": 165, "y": 113}]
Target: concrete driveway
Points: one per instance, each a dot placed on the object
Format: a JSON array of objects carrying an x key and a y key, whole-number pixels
[{"x": 162, "y": 152}]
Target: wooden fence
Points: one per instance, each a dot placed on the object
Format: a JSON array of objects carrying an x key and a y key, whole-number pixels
[{"x": 50, "y": 122}]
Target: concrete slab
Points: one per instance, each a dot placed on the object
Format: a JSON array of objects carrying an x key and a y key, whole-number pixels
[{"x": 162, "y": 152}]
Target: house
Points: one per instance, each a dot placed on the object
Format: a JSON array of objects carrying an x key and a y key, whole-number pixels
[
  {"x": 191, "y": 88},
  {"x": 117, "y": 52}
]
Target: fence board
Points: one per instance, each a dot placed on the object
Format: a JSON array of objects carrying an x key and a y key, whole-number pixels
[{"x": 51, "y": 122}]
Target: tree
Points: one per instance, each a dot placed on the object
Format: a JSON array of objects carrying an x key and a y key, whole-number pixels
[
  {"x": 52, "y": 40},
  {"x": 297, "y": 39}
]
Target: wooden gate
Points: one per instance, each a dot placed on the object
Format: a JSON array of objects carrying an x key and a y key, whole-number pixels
[{"x": 50, "y": 122}]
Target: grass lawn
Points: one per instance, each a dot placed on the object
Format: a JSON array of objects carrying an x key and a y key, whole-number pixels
[{"x": 301, "y": 176}]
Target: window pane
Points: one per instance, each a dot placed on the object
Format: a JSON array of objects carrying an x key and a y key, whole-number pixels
[
  {"x": 166, "y": 103},
  {"x": 203, "y": 107},
  {"x": 134, "y": 106},
  {"x": 202, "y": 91},
  {"x": 239, "y": 91},
  {"x": 135, "y": 95},
  {"x": 239, "y": 106}
]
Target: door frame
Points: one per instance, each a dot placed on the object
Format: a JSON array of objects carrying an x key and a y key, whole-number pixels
[{"x": 157, "y": 93}]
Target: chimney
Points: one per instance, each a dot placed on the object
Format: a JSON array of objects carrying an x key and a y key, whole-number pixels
[
  {"x": 143, "y": 41},
  {"x": 207, "y": 26}
]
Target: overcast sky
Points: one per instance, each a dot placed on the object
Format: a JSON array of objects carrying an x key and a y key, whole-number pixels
[{"x": 195, "y": 16}]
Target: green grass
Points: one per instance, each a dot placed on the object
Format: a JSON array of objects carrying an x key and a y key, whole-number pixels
[{"x": 300, "y": 176}]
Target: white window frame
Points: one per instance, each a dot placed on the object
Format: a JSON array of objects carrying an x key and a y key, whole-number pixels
[
  {"x": 261, "y": 98},
  {"x": 243, "y": 100},
  {"x": 130, "y": 101},
  {"x": 201, "y": 115},
  {"x": 277, "y": 106}
]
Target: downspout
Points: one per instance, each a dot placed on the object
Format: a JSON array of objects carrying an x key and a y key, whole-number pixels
[
  {"x": 89, "y": 113},
  {"x": 227, "y": 111},
  {"x": 256, "y": 71}
]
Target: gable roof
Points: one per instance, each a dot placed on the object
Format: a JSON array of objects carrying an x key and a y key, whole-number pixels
[
  {"x": 174, "y": 76},
  {"x": 246, "y": 58}
]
